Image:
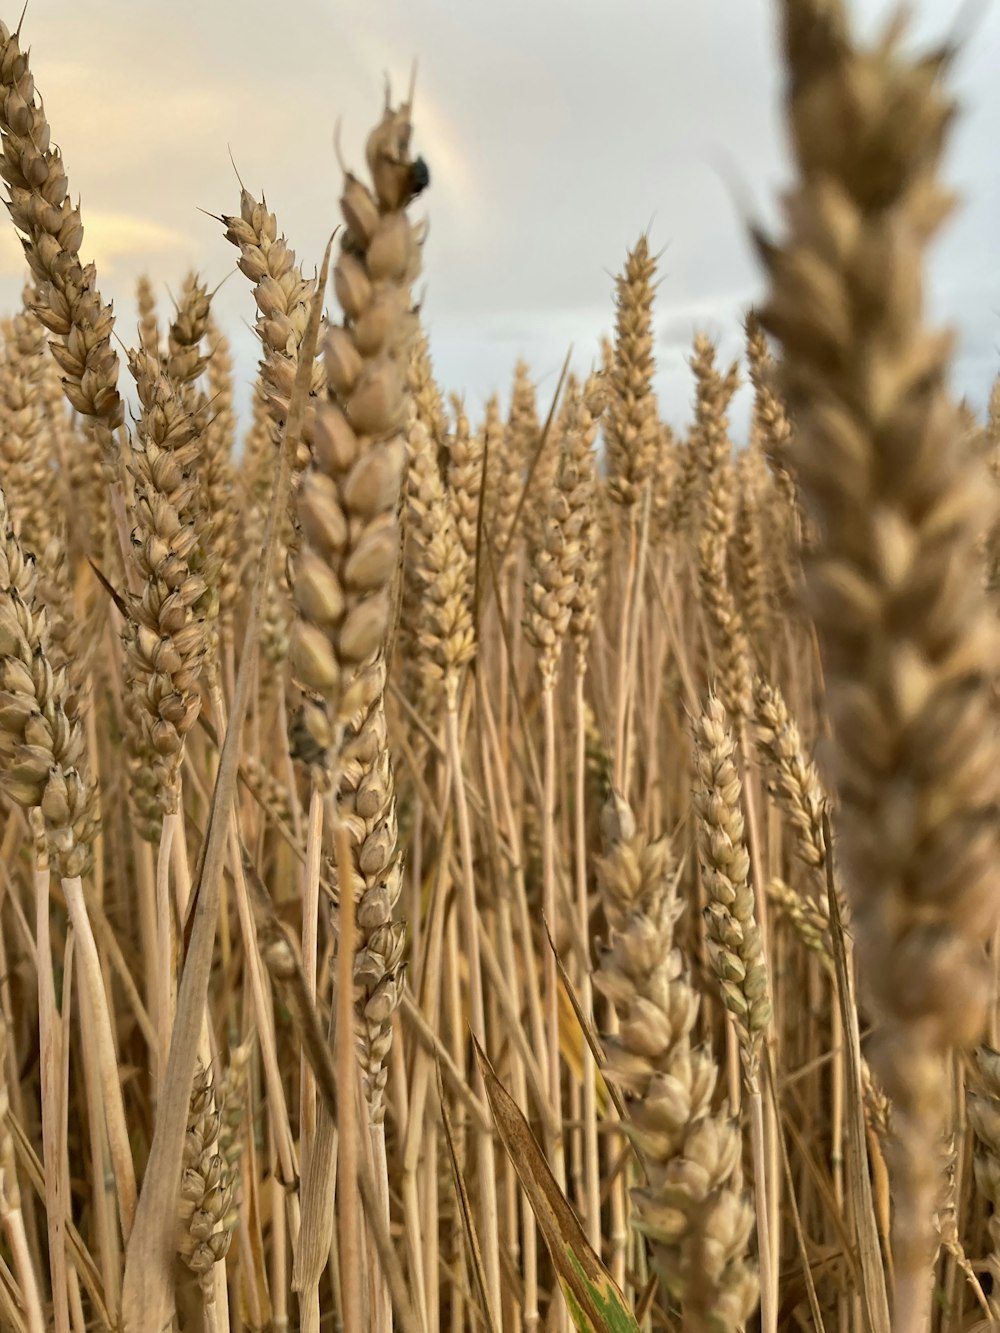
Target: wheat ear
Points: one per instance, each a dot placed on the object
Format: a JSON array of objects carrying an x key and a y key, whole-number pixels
[
  {"x": 283, "y": 297},
  {"x": 66, "y": 298},
  {"x": 907, "y": 638},
  {"x": 735, "y": 946},
  {"x": 631, "y": 425},
  {"x": 698, "y": 1226},
  {"x": 347, "y": 501}
]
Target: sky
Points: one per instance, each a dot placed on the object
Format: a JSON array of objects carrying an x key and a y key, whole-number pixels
[{"x": 556, "y": 132}]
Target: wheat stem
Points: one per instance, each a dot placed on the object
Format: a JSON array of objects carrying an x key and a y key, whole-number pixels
[
  {"x": 349, "y": 1216},
  {"x": 486, "y": 1170},
  {"x": 591, "y": 1160}
]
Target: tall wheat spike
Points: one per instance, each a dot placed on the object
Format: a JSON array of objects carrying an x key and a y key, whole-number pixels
[{"x": 893, "y": 582}]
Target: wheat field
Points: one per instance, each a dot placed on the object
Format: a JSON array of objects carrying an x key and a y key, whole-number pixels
[{"x": 535, "y": 870}]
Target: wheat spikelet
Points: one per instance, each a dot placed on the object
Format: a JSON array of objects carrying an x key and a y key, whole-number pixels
[
  {"x": 348, "y": 501},
  {"x": 185, "y": 362},
  {"x": 748, "y": 564},
  {"x": 550, "y": 587},
  {"x": 795, "y": 778},
  {"x": 143, "y": 764},
  {"x": 807, "y": 918},
  {"x": 698, "y": 1226},
  {"x": 631, "y": 428},
  {"x": 906, "y": 635},
  {"x": 716, "y": 517},
  {"x": 270, "y": 793},
  {"x": 86, "y": 497},
  {"x": 493, "y": 432},
  {"x": 218, "y": 474},
  {"x": 184, "y": 366},
  {"x": 510, "y": 460},
  {"x": 28, "y": 445},
  {"x": 734, "y": 937},
  {"x": 283, "y": 298},
  {"x": 66, "y": 299},
  {"x": 578, "y": 482},
  {"x": 149, "y": 325},
  {"x": 232, "y": 1102},
  {"x": 441, "y": 578},
  {"x": 257, "y": 475},
  {"x": 427, "y": 397},
  {"x": 166, "y": 637},
  {"x": 771, "y": 428},
  {"x": 30, "y": 465},
  {"x": 681, "y": 508},
  {"x": 420, "y": 678},
  {"x": 561, "y": 587},
  {"x": 710, "y": 434},
  {"x": 368, "y": 809},
  {"x": 205, "y": 1217},
  {"x": 665, "y": 475},
  {"x": 42, "y": 745},
  {"x": 771, "y": 435},
  {"x": 465, "y": 477}
]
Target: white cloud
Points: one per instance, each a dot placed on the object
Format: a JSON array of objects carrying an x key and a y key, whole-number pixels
[{"x": 108, "y": 238}]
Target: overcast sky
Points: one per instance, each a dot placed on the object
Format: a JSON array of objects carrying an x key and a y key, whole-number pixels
[{"x": 555, "y": 130}]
